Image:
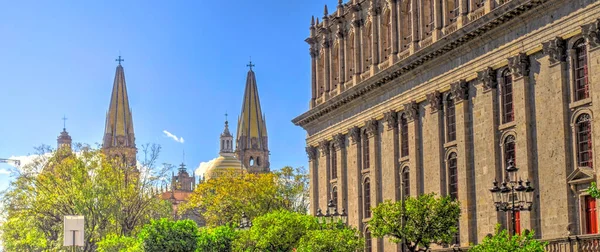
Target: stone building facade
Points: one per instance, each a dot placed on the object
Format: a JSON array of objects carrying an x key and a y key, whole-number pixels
[{"x": 417, "y": 96}]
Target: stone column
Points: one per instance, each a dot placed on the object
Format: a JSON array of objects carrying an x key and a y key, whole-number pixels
[
  {"x": 372, "y": 130},
  {"x": 486, "y": 150},
  {"x": 462, "y": 14},
  {"x": 323, "y": 174},
  {"x": 415, "y": 22},
  {"x": 354, "y": 175},
  {"x": 356, "y": 25},
  {"x": 395, "y": 28},
  {"x": 313, "y": 172},
  {"x": 433, "y": 141},
  {"x": 553, "y": 130},
  {"x": 438, "y": 17},
  {"x": 465, "y": 174},
  {"x": 389, "y": 156},
  {"x": 341, "y": 58},
  {"x": 313, "y": 80},
  {"x": 519, "y": 67},
  {"x": 339, "y": 143},
  {"x": 411, "y": 111},
  {"x": 327, "y": 65}
]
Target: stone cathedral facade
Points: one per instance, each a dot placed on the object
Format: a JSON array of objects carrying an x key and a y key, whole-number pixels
[{"x": 418, "y": 96}]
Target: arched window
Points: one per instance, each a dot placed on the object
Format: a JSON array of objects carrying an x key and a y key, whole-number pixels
[
  {"x": 506, "y": 93},
  {"x": 333, "y": 163},
  {"x": 334, "y": 195},
  {"x": 386, "y": 43},
  {"x": 321, "y": 74},
  {"x": 367, "y": 44},
  {"x": 452, "y": 176},
  {"x": 366, "y": 153},
  {"x": 406, "y": 182},
  {"x": 581, "y": 71},
  {"x": 509, "y": 150},
  {"x": 350, "y": 56},
  {"x": 368, "y": 241},
  {"x": 406, "y": 23},
  {"x": 450, "y": 119},
  {"x": 335, "y": 66},
  {"x": 584, "y": 141},
  {"x": 403, "y": 136},
  {"x": 251, "y": 161},
  {"x": 257, "y": 160},
  {"x": 367, "y": 198}
]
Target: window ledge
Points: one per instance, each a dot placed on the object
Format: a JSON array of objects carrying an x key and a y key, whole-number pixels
[
  {"x": 333, "y": 181},
  {"x": 404, "y": 159},
  {"x": 507, "y": 125},
  {"x": 363, "y": 171},
  {"x": 365, "y": 220},
  {"x": 580, "y": 103},
  {"x": 450, "y": 144}
]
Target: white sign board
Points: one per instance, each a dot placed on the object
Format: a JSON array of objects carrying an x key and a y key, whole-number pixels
[{"x": 73, "y": 232}]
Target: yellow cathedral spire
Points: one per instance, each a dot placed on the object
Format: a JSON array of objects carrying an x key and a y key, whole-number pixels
[
  {"x": 252, "y": 147},
  {"x": 119, "y": 138}
]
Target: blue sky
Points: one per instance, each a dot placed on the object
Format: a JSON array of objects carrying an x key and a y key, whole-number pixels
[{"x": 185, "y": 66}]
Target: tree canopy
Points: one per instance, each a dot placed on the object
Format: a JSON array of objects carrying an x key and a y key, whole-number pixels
[
  {"x": 503, "y": 242},
  {"x": 164, "y": 235},
  {"x": 427, "y": 219}
]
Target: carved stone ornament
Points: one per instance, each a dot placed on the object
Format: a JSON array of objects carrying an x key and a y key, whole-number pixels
[
  {"x": 371, "y": 127},
  {"x": 459, "y": 90},
  {"x": 519, "y": 65},
  {"x": 411, "y": 110},
  {"x": 375, "y": 9},
  {"x": 326, "y": 42},
  {"x": 435, "y": 101},
  {"x": 591, "y": 33},
  {"x": 340, "y": 33},
  {"x": 339, "y": 141},
  {"x": 354, "y": 134},
  {"x": 487, "y": 78},
  {"x": 324, "y": 148},
  {"x": 357, "y": 23},
  {"x": 313, "y": 52},
  {"x": 391, "y": 119},
  {"x": 311, "y": 152},
  {"x": 556, "y": 49}
]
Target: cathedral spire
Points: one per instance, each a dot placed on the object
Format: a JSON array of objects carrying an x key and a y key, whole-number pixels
[
  {"x": 226, "y": 140},
  {"x": 119, "y": 137},
  {"x": 252, "y": 141},
  {"x": 64, "y": 140}
]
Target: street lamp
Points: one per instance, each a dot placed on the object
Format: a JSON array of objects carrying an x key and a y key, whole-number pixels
[
  {"x": 245, "y": 223},
  {"x": 512, "y": 196},
  {"x": 331, "y": 214}
]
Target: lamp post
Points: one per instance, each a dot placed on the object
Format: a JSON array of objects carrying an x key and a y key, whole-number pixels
[
  {"x": 331, "y": 215},
  {"x": 512, "y": 196},
  {"x": 245, "y": 223}
]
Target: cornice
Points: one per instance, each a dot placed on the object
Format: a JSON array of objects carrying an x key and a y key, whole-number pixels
[{"x": 467, "y": 33}]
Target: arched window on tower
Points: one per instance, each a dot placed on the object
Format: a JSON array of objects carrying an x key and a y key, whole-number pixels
[
  {"x": 453, "y": 186},
  {"x": 506, "y": 96},
  {"x": 428, "y": 18},
  {"x": 406, "y": 23},
  {"x": 251, "y": 161},
  {"x": 335, "y": 66},
  {"x": 509, "y": 150},
  {"x": 257, "y": 160},
  {"x": 334, "y": 195},
  {"x": 580, "y": 69},
  {"x": 406, "y": 182},
  {"x": 368, "y": 241},
  {"x": 367, "y": 43},
  {"x": 367, "y": 198},
  {"x": 584, "y": 141},
  {"x": 386, "y": 42},
  {"x": 350, "y": 56},
  {"x": 450, "y": 119}
]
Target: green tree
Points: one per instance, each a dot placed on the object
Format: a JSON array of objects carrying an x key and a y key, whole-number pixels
[
  {"x": 427, "y": 219},
  {"x": 593, "y": 190},
  {"x": 116, "y": 243},
  {"x": 276, "y": 231},
  {"x": 112, "y": 198},
  {"x": 164, "y": 235},
  {"x": 293, "y": 187},
  {"x": 503, "y": 242},
  {"x": 332, "y": 239},
  {"x": 216, "y": 239}
]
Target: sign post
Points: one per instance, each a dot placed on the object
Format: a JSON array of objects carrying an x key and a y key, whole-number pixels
[{"x": 73, "y": 231}]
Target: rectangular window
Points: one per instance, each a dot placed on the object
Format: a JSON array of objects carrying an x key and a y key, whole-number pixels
[
  {"x": 581, "y": 72},
  {"x": 404, "y": 136},
  {"x": 333, "y": 164},
  {"x": 406, "y": 183},
  {"x": 450, "y": 120},
  {"x": 591, "y": 219},
  {"x": 508, "y": 114},
  {"x": 366, "y": 153}
]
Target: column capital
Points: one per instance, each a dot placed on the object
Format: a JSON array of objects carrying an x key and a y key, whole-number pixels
[
  {"x": 435, "y": 101},
  {"x": 555, "y": 48},
  {"x": 519, "y": 65},
  {"x": 324, "y": 148},
  {"x": 339, "y": 141},
  {"x": 311, "y": 152},
  {"x": 411, "y": 110},
  {"x": 459, "y": 90},
  {"x": 391, "y": 119},
  {"x": 488, "y": 78},
  {"x": 371, "y": 127},
  {"x": 354, "y": 134},
  {"x": 591, "y": 32}
]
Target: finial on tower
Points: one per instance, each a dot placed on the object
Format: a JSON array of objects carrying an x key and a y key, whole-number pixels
[
  {"x": 119, "y": 59},
  {"x": 325, "y": 12},
  {"x": 226, "y": 118},
  {"x": 312, "y": 21},
  {"x": 250, "y": 64},
  {"x": 317, "y": 21},
  {"x": 64, "y": 122},
  {"x": 340, "y": 2}
]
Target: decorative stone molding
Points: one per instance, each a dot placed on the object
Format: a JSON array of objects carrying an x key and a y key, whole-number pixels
[
  {"x": 487, "y": 77},
  {"x": 591, "y": 32},
  {"x": 313, "y": 52},
  {"x": 326, "y": 43},
  {"x": 391, "y": 119},
  {"x": 411, "y": 110},
  {"x": 324, "y": 148},
  {"x": 371, "y": 127},
  {"x": 339, "y": 141},
  {"x": 354, "y": 134},
  {"x": 519, "y": 65},
  {"x": 556, "y": 49},
  {"x": 459, "y": 90},
  {"x": 340, "y": 33},
  {"x": 435, "y": 101},
  {"x": 357, "y": 23},
  {"x": 311, "y": 152}
]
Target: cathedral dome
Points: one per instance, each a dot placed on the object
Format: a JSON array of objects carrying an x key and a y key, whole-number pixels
[{"x": 223, "y": 164}]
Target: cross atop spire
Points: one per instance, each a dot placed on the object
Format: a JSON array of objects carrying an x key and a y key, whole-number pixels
[
  {"x": 226, "y": 116},
  {"x": 250, "y": 64},
  {"x": 64, "y": 122},
  {"x": 120, "y": 59}
]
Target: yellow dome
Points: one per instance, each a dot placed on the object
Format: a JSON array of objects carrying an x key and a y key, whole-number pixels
[{"x": 224, "y": 163}]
